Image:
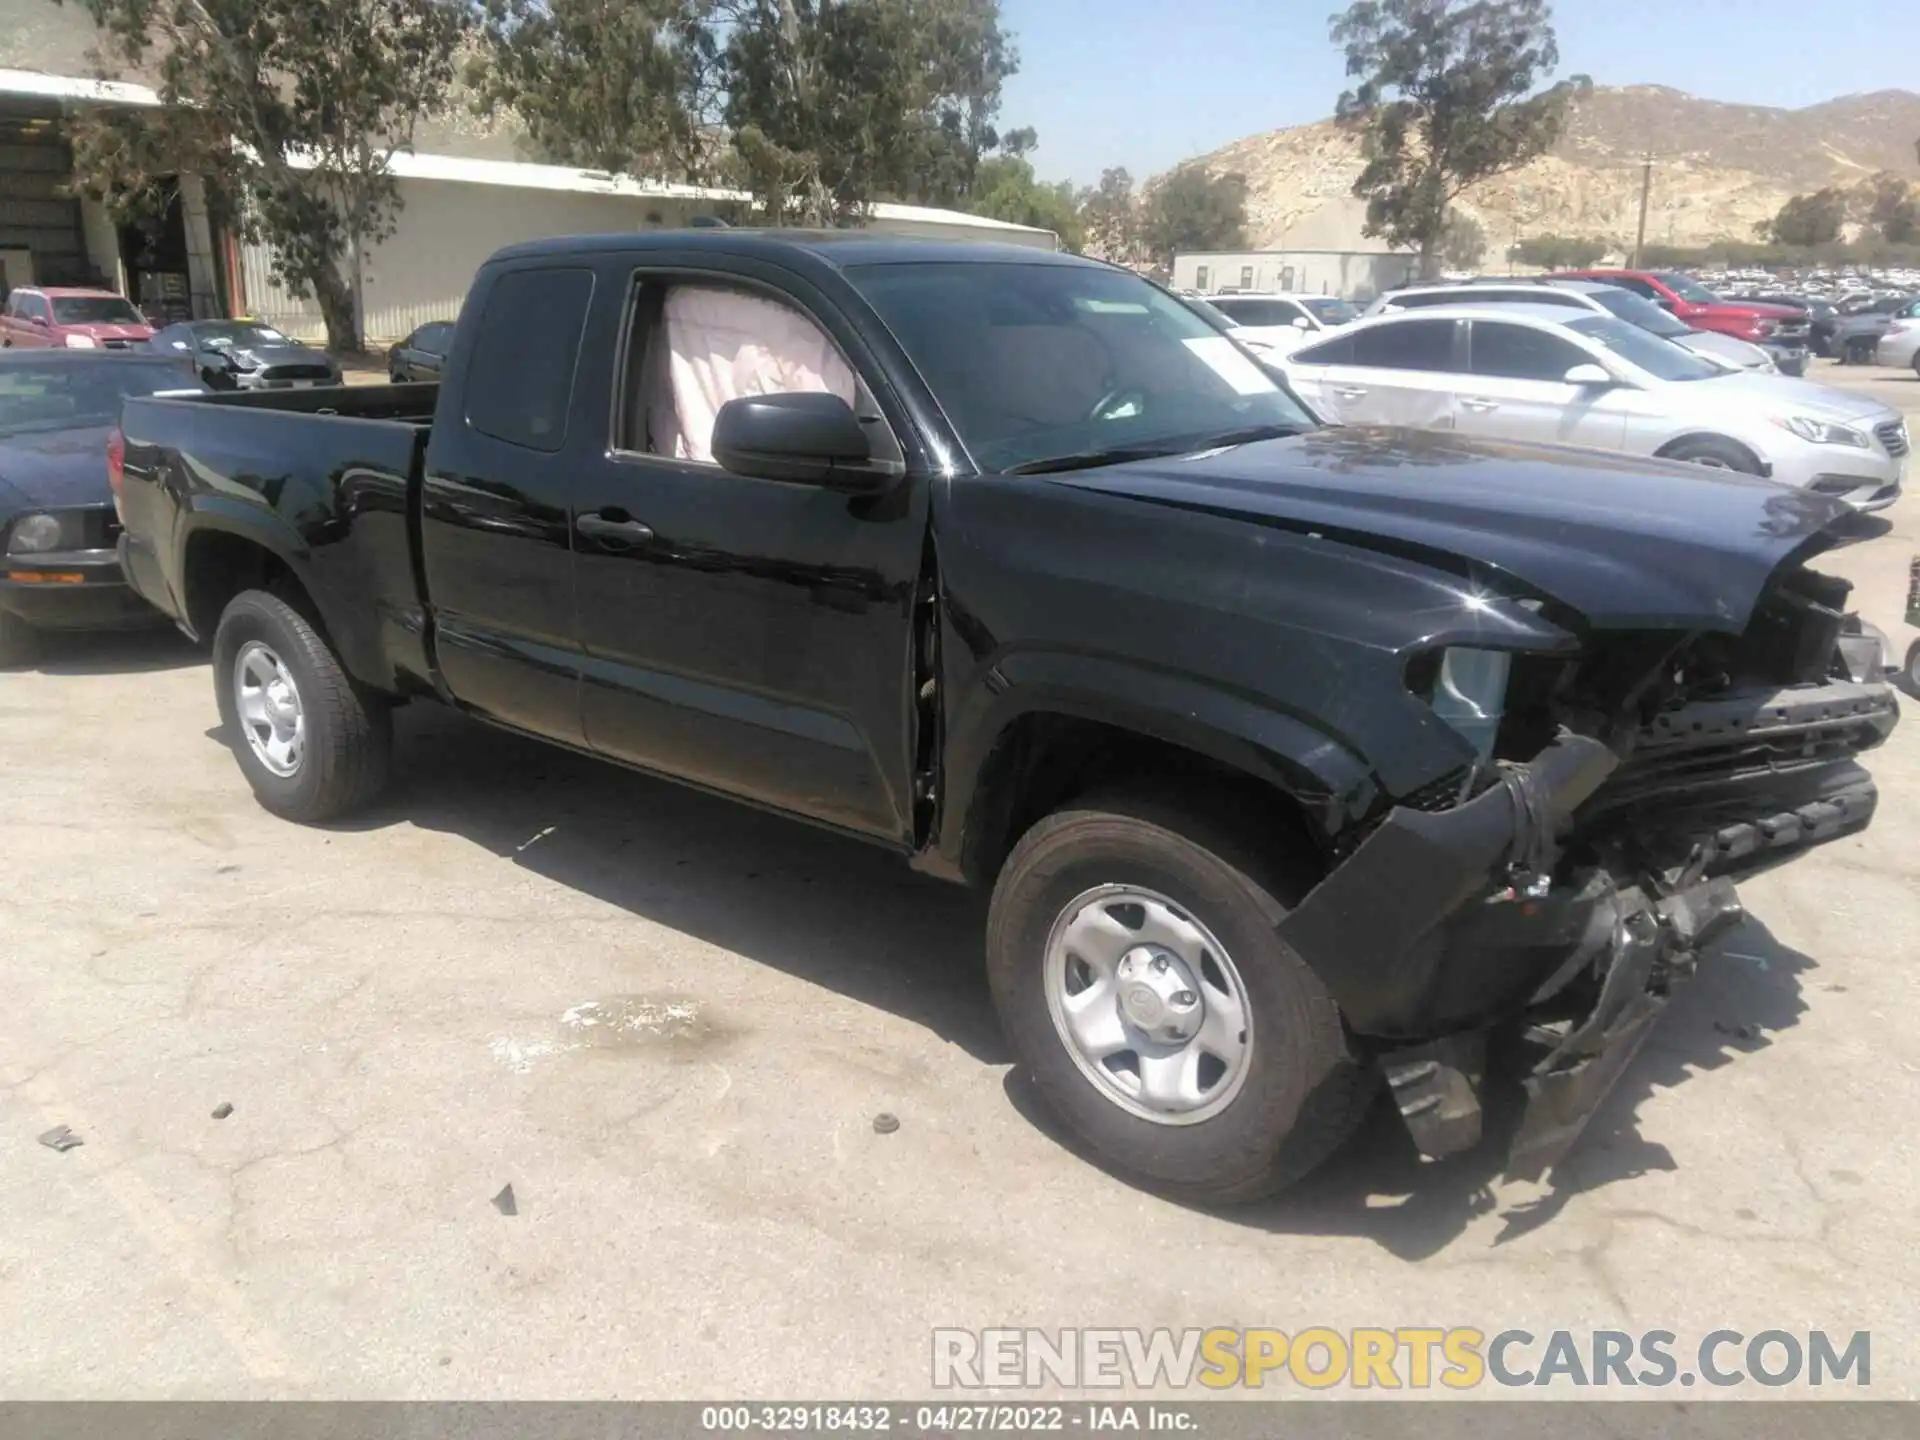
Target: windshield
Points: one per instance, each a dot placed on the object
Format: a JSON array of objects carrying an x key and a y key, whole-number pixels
[
  {"x": 1661, "y": 359},
  {"x": 1690, "y": 290},
  {"x": 225, "y": 335},
  {"x": 1638, "y": 310},
  {"x": 1036, "y": 365},
  {"x": 79, "y": 396},
  {"x": 95, "y": 310},
  {"x": 1331, "y": 310}
]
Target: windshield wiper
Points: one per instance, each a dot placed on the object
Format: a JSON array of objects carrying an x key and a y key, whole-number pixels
[{"x": 1160, "y": 450}]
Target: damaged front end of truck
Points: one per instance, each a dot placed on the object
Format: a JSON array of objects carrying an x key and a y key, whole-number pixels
[{"x": 1558, "y": 887}]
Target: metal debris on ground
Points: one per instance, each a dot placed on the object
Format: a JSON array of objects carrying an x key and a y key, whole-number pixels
[
  {"x": 504, "y": 1203},
  {"x": 885, "y": 1123},
  {"x": 1738, "y": 1032},
  {"x": 61, "y": 1138},
  {"x": 222, "y": 1110}
]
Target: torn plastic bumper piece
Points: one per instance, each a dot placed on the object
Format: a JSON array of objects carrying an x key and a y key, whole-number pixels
[
  {"x": 1369, "y": 929},
  {"x": 1654, "y": 944}
]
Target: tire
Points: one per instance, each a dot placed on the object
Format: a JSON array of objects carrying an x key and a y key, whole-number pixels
[
  {"x": 19, "y": 641},
  {"x": 1714, "y": 453},
  {"x": 1302, "y": 1088},
  {"x": 1910, "y": 672},
  {"x": 342, "y": 756}
]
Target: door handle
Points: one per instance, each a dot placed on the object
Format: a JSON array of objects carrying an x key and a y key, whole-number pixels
[
  {"x": 1481, "y": 405},
  {"x": 609, "y": 530}
]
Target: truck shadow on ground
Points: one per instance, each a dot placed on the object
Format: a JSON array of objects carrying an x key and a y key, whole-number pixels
[
  {"x": 818, "y": 906},
  {"x": 852, "y": 918},
  {"x": 1378, "y": 1188},
  {"x": 113, "y": 652}
]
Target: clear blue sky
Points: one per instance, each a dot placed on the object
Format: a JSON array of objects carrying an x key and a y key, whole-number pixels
[{"x": 1146, "y": 83}]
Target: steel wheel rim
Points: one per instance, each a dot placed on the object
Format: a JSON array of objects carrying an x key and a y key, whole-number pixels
[
  {"x": 271, "y": 714},
  {"x": 1148, "y": 1004}
]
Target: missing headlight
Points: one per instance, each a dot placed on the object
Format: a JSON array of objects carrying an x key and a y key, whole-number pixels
[{"x": 1469, "y": 692}]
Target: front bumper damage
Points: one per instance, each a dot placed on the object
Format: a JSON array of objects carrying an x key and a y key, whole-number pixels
[{"x": 1506, "y": 917}]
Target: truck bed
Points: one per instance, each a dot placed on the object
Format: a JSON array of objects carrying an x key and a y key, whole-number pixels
[{"x": 300, "y": 471}]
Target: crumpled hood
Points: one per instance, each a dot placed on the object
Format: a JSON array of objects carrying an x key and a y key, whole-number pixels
[
  {"x": 107, "y": 330},
  {"x": 54, "y": 468},
  {"x": 261, "y": 357},
  {"x": 1626, "y": 542}
]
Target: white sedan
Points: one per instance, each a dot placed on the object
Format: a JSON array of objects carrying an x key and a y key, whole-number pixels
[
  {"x": 1535, "y": 372},
  {"x": 1900, "y": 342}
]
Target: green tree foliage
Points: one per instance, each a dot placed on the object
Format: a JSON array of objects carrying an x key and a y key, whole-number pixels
[
  {"x": 1004, "y": 187},
  {"x": 1811, "y": 219},
  {"x": 1558, "y": 252},
  {"x": 1446, "y": 97},
  {"x": 1191, "y": 209},
  {"x": 816, "y": 107},
  {"x": 1463, "y": 244},
  {"x": 292, "y": 106},
  {"x": 1110, "y": 217},
  {"x": 617, "y": 85},
  {"x": 1889, "y": 208}
]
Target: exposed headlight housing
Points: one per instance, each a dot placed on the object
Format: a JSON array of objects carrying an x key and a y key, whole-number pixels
[
  {"x": 1470, "y": 693},
  {"x": 35, "y": 535},
  {"x": 1822, "y": 432},
  {"x": 82, "y": 342}
]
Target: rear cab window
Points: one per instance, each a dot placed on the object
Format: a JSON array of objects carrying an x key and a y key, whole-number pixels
[{"x": 519, "y": 384}]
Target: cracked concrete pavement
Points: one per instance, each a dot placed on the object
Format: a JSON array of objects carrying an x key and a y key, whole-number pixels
[{"x": 668, "y": 1022}]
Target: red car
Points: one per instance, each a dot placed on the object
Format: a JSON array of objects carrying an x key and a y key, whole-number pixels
[
  {"x": 39, "y": 318},
  {"x": 1781, "y": 330}
]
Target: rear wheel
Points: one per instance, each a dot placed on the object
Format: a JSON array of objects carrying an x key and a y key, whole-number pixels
[
  {"x": 18, "y": 640},
  {"x": 313, "y": 744},
  {"x": 1715, "y": 453},
  {"x": 1134, "y": 964},
  {"x": 1912, "y": 671}
]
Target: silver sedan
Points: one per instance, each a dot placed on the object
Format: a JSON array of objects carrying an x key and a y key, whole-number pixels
[{"x": 1539, "y": 373}]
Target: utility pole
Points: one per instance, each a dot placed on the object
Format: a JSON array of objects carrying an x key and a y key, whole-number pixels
[{"x": 1646, "y": 188}]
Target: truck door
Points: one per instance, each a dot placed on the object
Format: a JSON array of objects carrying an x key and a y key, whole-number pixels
[
  {"x": 750, "y": 635},
  {"x": 496, "y": 533}
]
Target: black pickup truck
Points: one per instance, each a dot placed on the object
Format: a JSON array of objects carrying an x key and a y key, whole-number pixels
[{"x": 1298, "y": 759}]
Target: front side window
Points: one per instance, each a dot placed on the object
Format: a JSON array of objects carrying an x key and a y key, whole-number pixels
[
  {"x": 1688, "y": 289},
  {"x": 95, "y": 310},
  {"x": 1260, "y": 312},
  {"x": 708, "y": 344},
  {"x": 520, "y": 384},
  {"x": 1636, "y": 310},
  {"x": 1039, "y": 363},
  {"x": 1519, "y": 352},
  {"x": 1331, "y": 309},
  {"x": 1412, "y": 345},
  {"x": 1661, "y": 359}
]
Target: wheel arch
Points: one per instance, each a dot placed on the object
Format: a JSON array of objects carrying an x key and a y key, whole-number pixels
[
  {"x": 1031, "y": 748},
  {"x": 1762, "y": 466}
]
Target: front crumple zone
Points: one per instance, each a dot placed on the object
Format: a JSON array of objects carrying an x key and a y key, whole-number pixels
[{"x": 1564, "y": 900}]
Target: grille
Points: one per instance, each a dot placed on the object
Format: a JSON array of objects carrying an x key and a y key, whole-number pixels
[
  {"x": 1893, "y": 435},
  {"x": 296, "y": 372},
  {"x": 99, "y": 528},
  {"x": 117, "y": 344},
  {"x": 1791, "y": 330}
]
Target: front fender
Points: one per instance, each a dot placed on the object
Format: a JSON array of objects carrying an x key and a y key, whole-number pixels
[{"x": 1333, "y": 785}]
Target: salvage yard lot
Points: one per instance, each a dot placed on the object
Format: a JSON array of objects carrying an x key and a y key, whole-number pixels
[{"x": 669, "y": 1022}]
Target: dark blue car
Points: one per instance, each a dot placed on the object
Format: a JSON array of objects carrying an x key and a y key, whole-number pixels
[{"x": 59, "y": 410}]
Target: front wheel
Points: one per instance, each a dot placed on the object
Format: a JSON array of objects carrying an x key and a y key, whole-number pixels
[
  {"x": 1714, "y": 453},
  {"x": 1134, "y": 964},
  {"x": 312, "y": 743}
]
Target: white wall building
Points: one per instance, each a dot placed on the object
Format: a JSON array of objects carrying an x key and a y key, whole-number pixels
[
  {"x": 1358, "y": 275},
  {"x": 458, "y": 211}
]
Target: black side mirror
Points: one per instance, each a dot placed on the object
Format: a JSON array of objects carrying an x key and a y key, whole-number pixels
[{"x": 806, "y": 438}]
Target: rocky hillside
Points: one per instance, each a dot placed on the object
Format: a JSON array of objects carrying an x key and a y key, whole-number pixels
[{"x": 1718, "y": 169}]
